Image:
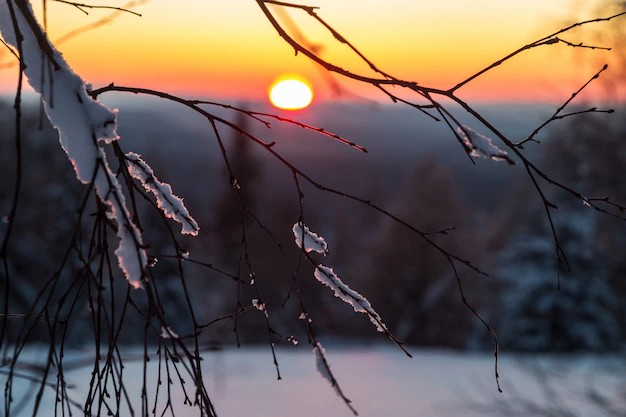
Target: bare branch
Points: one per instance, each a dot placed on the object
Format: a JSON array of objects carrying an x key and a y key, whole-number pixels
[
  {"x": 83, "y": 6},
  {"x": 558, "y": 116}
]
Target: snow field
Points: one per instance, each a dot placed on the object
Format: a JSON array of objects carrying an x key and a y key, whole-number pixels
[{"x": 380, "y": 380}]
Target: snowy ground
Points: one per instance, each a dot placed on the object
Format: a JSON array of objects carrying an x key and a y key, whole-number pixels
[{"x": 379, "y": 380}]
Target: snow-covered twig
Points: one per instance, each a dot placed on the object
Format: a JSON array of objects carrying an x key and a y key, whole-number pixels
[
  {"x": 131, "y": 253},
  {"x": 85, "y": 126},
  {"x": 481, "y": 146},
  {"x": 360, "y": 304},
  {"x": 171, "y": 205},
  {"x": 312, "y": 242},
  {"x": 323, "y": 367}
]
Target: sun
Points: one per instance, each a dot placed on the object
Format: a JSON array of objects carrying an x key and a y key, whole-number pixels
[{"x": 290, "y": 93}]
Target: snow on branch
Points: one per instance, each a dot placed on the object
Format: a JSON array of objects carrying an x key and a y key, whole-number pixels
[
  {"x": 83, "y": 125},
  {"x": 481, "y": 146},
  {"x": 131, "y": 254},
  {"x": 323, "y": 367},
  {"x": 171, "y": 205},
  {"x": 360, "y": 304},
  {"x": 168, "y": 333},
  {"x": 80, "y": 120},
  {"x": 312, "y": 242}
]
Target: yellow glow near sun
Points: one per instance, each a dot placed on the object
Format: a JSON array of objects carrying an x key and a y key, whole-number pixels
[{"x": 290, "y": 93}]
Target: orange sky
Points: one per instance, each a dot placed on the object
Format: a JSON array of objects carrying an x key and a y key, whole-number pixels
[{"x": 227, "y": 49}]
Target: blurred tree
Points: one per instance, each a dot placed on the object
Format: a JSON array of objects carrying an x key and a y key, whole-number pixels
[
  {"x": 47, "y": 205},
  {"x": 584, "y": 313},
  {"x": 535, "y": 315},
  {"x": 244, "y": 174},
  {"x": 409, "y": 283}
]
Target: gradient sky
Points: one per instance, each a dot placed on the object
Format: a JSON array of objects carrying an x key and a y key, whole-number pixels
[{"x": 227, "y": 49}]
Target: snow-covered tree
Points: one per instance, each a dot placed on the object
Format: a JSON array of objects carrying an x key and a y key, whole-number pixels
[
  {"x": 582, "y": 309},
  {"x": 539, "y": 313}
]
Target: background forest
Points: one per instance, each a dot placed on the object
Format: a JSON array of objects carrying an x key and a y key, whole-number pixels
[{"x": 497, "y": 220}]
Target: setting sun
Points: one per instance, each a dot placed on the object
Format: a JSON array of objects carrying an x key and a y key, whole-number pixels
[{"x": 290, "y": 93}]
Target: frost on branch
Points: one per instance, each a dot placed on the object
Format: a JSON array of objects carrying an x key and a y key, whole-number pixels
[
  {"x": 360, "y": 304},
  {"x": 171, "y": 205},
  {"x": 481, "y": 146},
  {"x": 83, "y": 124},
  {"x": 312, "y": 242}
]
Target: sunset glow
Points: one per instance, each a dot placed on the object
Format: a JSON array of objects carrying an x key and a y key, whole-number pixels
[
  {"x": 230, "y": 50},
  {"x": 290, "y": 94}
]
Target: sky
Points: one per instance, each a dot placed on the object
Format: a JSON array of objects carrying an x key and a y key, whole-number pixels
[{"x": 228, "y": 49}]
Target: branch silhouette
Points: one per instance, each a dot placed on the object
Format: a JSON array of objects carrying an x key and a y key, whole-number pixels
[{"x": 116, "y": 205}]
